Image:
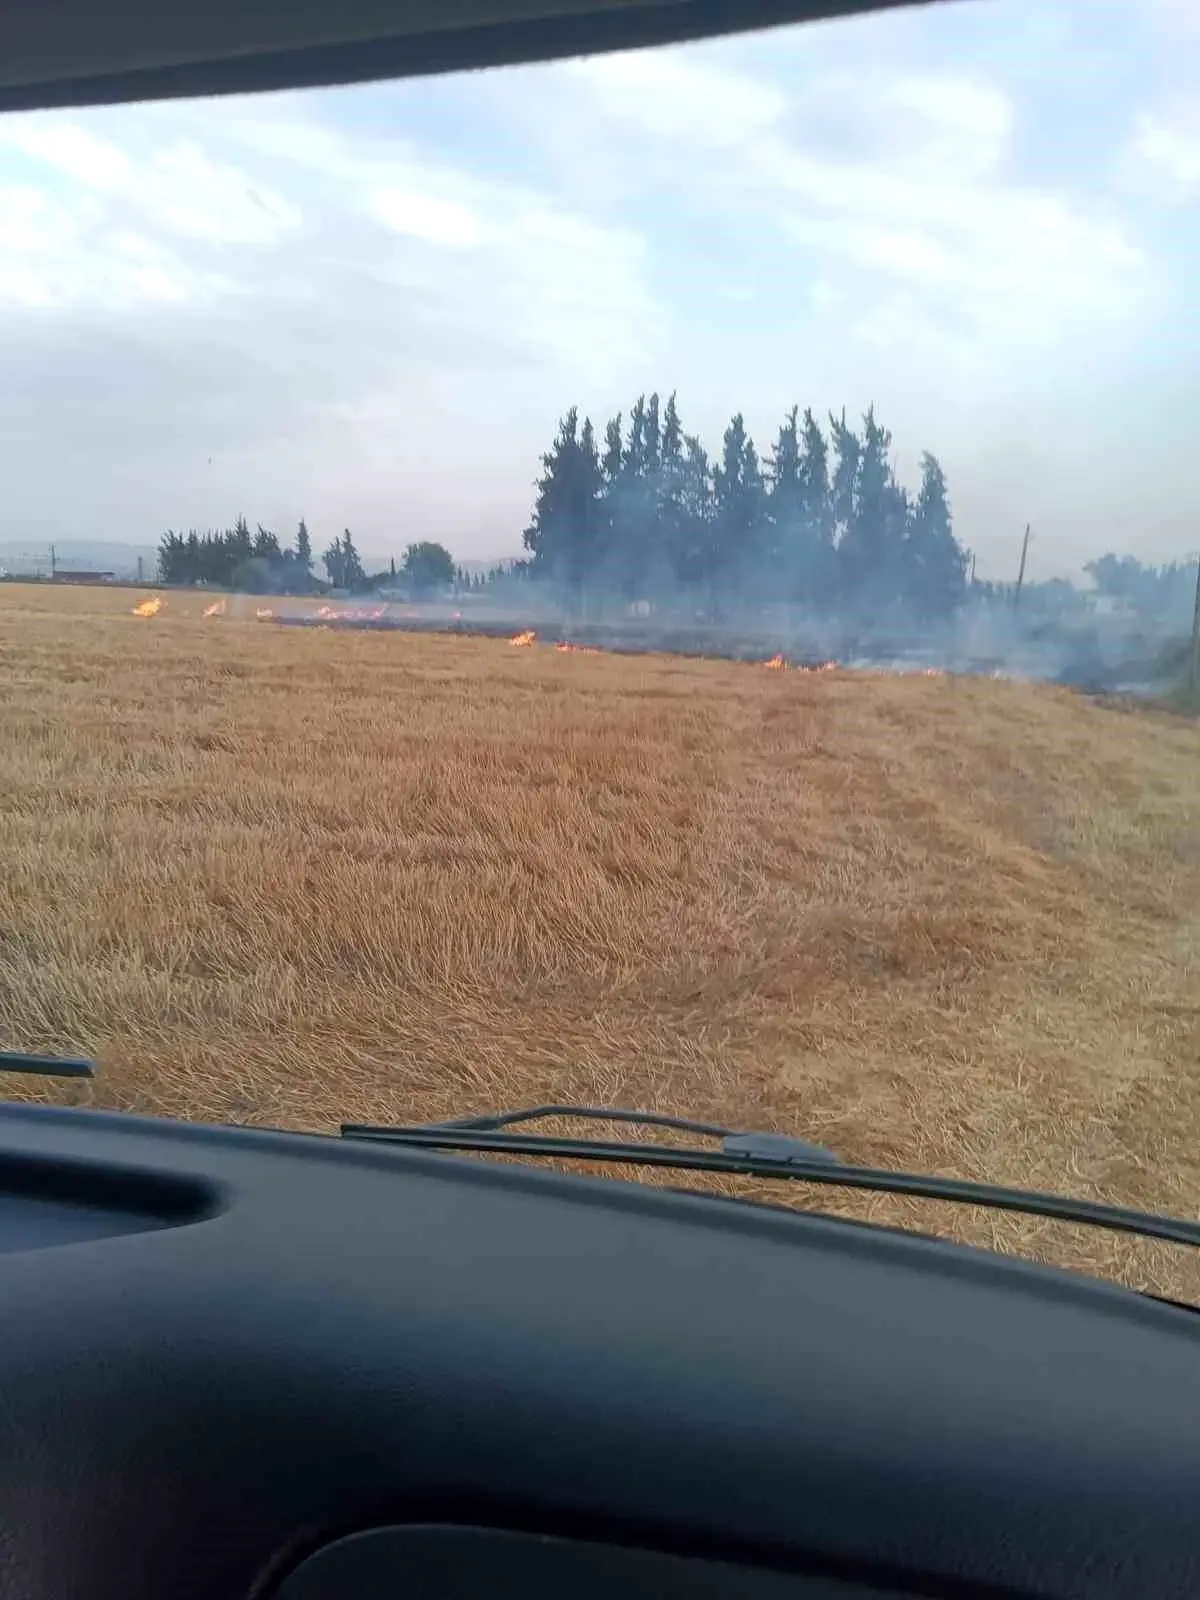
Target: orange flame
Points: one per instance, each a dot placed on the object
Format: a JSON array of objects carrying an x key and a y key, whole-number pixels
[
  {"x": 776, "y": 663},
  {"x": 525, "y": 638},
  {"x": 326, "y": 611},
  {"x": 263, "y": 614},
  {"x": 217, "y": 609},
  {"x": 150, "y": 607}
]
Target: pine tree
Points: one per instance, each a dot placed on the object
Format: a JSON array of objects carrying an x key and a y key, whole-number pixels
[
  {"x": 610, "y": 464},
  {"x": 651, "y": 437},
  {"x": 353, "y": 576},
  {"x": 304, "y": 547},
  {"x": 610, "y": 520},
  {"x": 266, "y": 545},
  {"x": 634, "y": 459},
  {"x": 588, "y": 526},
  {"x": 935, "y": 562},
  {"x": 546, "y": 538},
  {"x": 697, "y": 542},
  {"x": 786, "y": 555},
  {"x": 635, "y": 554},
  {"x": 672, "y": 435},
  {"x": 800, "y": 553},
  {"x": 172, "y": 553},
  {"x": 847, "y": 454},
  {"x": 740, "y": 518},
  {"x": 814, "y": 484},
  {"x": 564, "y": 536},
  {"x": 335, "y": 564},
  {"x": 871, "y": 553},
  {"x": 671, "y": 536}
]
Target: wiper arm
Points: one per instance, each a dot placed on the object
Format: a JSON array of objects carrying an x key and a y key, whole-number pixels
[
  {"x": 46, "y": 1066},
  {"x": 760, "y": 1155},
  {"x": 778, "y": 1145}
]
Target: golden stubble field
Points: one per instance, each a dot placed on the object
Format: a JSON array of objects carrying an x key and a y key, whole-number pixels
[{"x": 290, "y": 877}]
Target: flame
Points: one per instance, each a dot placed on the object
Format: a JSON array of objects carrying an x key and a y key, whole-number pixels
[
  {"x": 523, "y": 638},
  {"x": 776, "y": 664},
  {"x": 326, "y": 611},
  {"x": 824, "y": 666},
  {"x": 150, "y": 607},
  {"x": 263, "y": 614},
  {"x": 217, "y": 609}
]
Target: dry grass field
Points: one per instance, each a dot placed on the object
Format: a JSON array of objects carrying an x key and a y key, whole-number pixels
[{"x": 289, "y": 877}]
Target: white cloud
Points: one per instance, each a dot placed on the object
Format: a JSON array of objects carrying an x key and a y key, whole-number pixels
[
  {"x": 105, "y": 221},
  {"x": 94, "y": 162},
  {"x": 1178, "y": 17},
  {"x": 287, "y": 314},
  {"x": 168, "y": 205},
  {"x": 908, "y": 180},
  {"x": 427, "y": 217},
  {"x": 673, "y": 96},
  {"x": 943, "y": 127},
  {"x": 192, "y": 194},
  {"x": 1163, "y": 158},
  {"x": 64, "y": 252}
]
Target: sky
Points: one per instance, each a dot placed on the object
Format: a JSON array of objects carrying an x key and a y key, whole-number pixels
[{"x": 370, "y": 306}]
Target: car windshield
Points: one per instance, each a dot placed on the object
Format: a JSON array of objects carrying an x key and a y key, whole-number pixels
[{"x": 664, "y": 579}]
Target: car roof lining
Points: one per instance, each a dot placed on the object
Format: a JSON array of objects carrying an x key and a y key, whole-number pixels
[{"x": 74, "y": 52}]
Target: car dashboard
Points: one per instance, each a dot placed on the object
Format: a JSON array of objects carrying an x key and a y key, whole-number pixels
[{"x": 246, "y": 1363}]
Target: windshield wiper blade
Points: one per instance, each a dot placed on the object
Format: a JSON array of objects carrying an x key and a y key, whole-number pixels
[
  {"x": 778, "y": 1145},
  {"x": 46, "y": 1066},
  {"x": 760, "y": 1155}
]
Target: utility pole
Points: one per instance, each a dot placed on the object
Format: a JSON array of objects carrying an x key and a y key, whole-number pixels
[
  {"x": 1194, "y": 671},
  {"x": 139, "y": 569},
  {"x": 1021, "y": 573},
  {"x": 53, "y": 564}
]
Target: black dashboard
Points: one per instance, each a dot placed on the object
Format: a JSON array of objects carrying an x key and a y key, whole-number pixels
[{"x": 242, "y": 1363}]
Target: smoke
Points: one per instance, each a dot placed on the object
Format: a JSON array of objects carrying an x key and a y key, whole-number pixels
[{"x": 1094, "y": 651}]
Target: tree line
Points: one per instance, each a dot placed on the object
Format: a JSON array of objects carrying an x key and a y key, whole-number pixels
[
  {"x": 1149, "y": 590},
  {"x": 235, "y": 558},
  {"x": 823, "y": 520}
]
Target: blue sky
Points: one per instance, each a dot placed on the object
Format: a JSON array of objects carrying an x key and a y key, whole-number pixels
[{"x": 369, "y": 306}]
